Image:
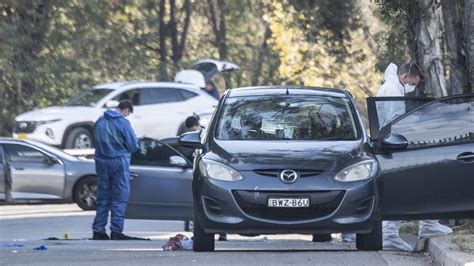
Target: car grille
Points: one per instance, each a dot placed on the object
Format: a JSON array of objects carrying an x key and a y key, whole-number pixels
[
  {"x": 24, "y": 127},
  {"x": 322, "y": 203},
  {"x": 277, "y": 172}
]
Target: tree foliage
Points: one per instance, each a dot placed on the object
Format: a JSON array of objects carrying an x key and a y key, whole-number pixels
[{"x": 52, "y": 49}]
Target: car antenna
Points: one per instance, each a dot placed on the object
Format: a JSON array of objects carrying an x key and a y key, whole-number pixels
[{"x": 287, "y": 92}]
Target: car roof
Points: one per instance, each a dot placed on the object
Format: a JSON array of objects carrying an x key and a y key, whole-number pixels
[
  {"x": 283, "y": 90},
  {"x": 13, "y": 140},
  {"x": 135, "y": 84}
]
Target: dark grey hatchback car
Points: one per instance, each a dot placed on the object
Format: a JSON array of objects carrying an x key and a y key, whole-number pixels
[{"x": 277, "y": 160}]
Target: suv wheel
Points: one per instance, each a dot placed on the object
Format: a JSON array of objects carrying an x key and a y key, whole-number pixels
[
  {"x": 202, "y": 241},
  {"x": 85, "y": 193},
  {"x": 372, "y": 240},
  {"x": 79, "y": 138}
]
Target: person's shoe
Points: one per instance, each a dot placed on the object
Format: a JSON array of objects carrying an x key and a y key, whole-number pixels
[
  {"x": 100, "y": 236},
  {"x": 394, "y": 242},
  {"x": 432, "y": 228},
  {"x": 121, "y": 236},
  {"x": 222, "y": 237}
]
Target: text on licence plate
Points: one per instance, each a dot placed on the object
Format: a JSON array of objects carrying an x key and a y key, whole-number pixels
[{"x": 288, "y": 202}]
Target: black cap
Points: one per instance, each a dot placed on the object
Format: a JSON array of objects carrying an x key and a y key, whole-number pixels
[{"x": 125, "y": 104}]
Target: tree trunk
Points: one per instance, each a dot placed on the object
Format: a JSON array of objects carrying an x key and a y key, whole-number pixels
[
  {"x": 469, "y": 39},
  {"x": 218, "y": 27},
  {"x": 456, "y": 53},
  {"x": 163, "y": 75},
  {"x": 178, "y": 41},
  {"x": 261, "y": 52},
  {"x": 426, "y": 29}
]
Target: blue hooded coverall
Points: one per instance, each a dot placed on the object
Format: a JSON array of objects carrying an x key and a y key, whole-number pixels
[{"x": 114, "y": 141}]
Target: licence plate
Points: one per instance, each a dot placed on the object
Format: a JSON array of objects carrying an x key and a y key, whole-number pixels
[
  {"x": 288, "y": 202},
  {"x": 22, "y": 135}
]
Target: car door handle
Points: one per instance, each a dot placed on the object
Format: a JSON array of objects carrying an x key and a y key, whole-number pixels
[
  {"x": 19, "y": 168},
  {"x": 133, "y": 176},
  {"x": 466, "y": 157}
]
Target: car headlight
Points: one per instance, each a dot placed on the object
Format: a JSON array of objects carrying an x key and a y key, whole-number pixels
[
  {"x": 359, "y": 171},
  {"x": 37, "y": 123},
  {"x": 219, "y": 171}
]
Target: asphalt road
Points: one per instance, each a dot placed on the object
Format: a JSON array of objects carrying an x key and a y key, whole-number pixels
[{"x": 29, "y": 225}]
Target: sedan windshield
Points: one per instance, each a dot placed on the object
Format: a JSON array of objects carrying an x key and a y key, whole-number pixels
[
  {"x": 88, "y": 98},
  {"x": 287, "y": 118}
]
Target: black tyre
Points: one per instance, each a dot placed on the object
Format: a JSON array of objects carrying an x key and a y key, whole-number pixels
[
  {"x": 85, "y": 193},
  {"x": 371, "y": 241},
  {"x": 202, "y": 241},
  {"x": 322, "y": 238},
  {"x": 79, "y": 138}
]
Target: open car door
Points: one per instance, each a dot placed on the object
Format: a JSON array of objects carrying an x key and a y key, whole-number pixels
[
  {"x": 209, "y": 69},
  {"x": 426, "y": 156},
  {"x": 161, "y": 181}
]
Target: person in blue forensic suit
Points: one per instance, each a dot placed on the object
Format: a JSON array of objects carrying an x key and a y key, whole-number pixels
[{"x": 114, "y": 142}]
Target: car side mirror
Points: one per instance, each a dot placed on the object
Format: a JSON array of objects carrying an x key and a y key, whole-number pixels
[
  {"x": 394, "y": 141},
  {"x": 178, "y": 161},
  {"x": 191, "y": 140},
  {"x": 112, "y": 104}
]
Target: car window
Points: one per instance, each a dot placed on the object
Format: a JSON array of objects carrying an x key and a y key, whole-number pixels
[
  {"x": 88, "y": 98},
  {"x": 389, "y": 108},
  {"x": 159, "y": 95},
  {"x": 132, "y": 95},
  {"x": 153, "y": 153},
  {"x": 24, "y": 154},
  {"x": 443, "y": 122},
  {"x": 185, "y": 94},
  {"x": 287, "y": 118}
]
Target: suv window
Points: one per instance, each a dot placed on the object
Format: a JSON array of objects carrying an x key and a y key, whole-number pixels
[
  {"x": 185, "y": 94},
  {"x": 88, "y": 98},
  {"x": 159, "y": 95},
  {"x": 443, "y": 122},
  {"x": 287, "y": 118},
  {"x": 22, "y": 153},
  {"x": 132, "y": 95},
  {"x": 153, "y": 153}
]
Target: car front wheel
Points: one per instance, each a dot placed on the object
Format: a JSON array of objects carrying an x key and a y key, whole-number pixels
[
  {"x": 371, "y": 241},
  {"x": 85, "y": 193},
  {"x": 79, "y": 138},
  {"x": 202, "y": 241}
]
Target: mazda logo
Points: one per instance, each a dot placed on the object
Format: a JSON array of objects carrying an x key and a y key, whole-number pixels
[
  {"x": 288, "y": 176},
  {"x": 23, "y": 125}
]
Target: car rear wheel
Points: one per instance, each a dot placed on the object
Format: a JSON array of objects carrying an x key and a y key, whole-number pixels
[
  {"x": 85, "y": 193},
  {"x": 322, "y": 237},
  {"x": 79, "y": 138},
  {"x": 372, "y": 240},
  {"x": 202, "y": 241}
]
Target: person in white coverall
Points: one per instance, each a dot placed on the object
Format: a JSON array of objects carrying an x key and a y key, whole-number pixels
[{"x": 396, "y": 84}]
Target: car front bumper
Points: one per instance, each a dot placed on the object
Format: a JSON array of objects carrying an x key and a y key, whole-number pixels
[{"x": 241, "y": 207}]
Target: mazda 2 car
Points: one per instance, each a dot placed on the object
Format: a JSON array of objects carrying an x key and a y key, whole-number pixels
[{"x": 278, "y": 160}]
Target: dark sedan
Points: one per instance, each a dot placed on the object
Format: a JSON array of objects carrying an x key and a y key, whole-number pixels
[{"x": 279, "y": 160}]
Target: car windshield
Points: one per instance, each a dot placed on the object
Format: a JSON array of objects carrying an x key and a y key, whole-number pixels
[
  {"x": 88, "y": 98},
  {"x": 287, "y": 118}
]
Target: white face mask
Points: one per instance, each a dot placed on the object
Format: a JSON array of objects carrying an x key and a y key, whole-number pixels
[{"x": 409, "y": 88}]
